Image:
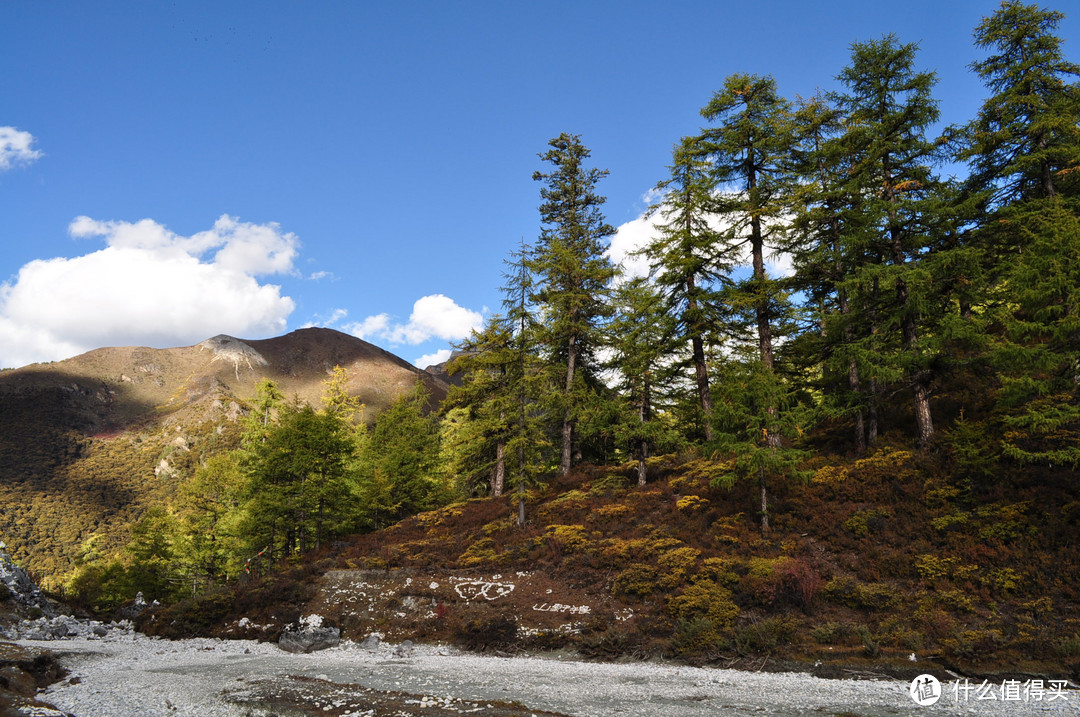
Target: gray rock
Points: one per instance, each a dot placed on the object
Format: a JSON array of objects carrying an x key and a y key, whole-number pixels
[
  {"x": 405, "y": 649},
  {"x": 370, "y": 643},
  {"x": 310, "y": 639}
]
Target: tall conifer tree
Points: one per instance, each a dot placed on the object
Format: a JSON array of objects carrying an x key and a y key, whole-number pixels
[
  {"x": 888, "y": 109},
  {"x": 573, "y": 274},
  {"x": 686, "y": 258}
]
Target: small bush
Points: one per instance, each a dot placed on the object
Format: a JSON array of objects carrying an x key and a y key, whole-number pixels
[
  {"x": 864, "y": 522},
  {"x": 799, "y": 582},
  {"x": 638, "y": 579},
  {"x": 705, "y": 599},
  {"x": 692, "y": 503},
  {"x": 870, "y": 644},
  {"x": 482, "y": 552},
  {"x": 568, "y": 538},
  {"x": 831, "y": 633},
  {"x": 766, "y": 635},
  {"x": 696, "y": 636},
  {"x": 676, "y": 565}
]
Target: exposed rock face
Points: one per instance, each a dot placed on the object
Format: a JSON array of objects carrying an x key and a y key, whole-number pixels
[
  {"x": 309, "y": 636},
  {"x": 234, "y": 351},
  {"x": 309, "y": 639},
  {"x": 22, "y": 589}
]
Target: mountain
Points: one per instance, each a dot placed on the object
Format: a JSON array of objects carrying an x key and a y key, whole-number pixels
[{"x": 86, "y": 444}]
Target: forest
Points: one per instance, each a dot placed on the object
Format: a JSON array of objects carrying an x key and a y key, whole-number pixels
[{"x": 933, "y": 303}]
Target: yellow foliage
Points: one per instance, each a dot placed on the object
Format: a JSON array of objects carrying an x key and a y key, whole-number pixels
[
  {"x": 570, "y": 537},
  {"x": 830, "y": 475},
  {"x": 638, "y": 579},
  {"x": 498, "y": 526},
  {"x": 932, "y": 567},
  {"x": 719, "y": 570},
  {"x": 482, "y": 552},
  {"x": 705, "y": 599},
  {"x": 691, "y": 503},
  {"x": 676, "y": 564},
  {"x": 887, "y": 460},
  {"x": 687, "y": 484},
  {"x": 612, "y": 510}
]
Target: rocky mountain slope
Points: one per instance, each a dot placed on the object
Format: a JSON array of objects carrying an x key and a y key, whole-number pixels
[{"x": 87, "y": 443}]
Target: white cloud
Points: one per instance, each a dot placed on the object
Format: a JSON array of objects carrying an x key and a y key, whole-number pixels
[
  {"x": 370, "y": 327},
  {"x": 255, "y": 249},
  {"x": 433, "y": 317},
  {"x": 630, "y": 237},
  {"x": 148, "y": 286},
  {"x": 639, "y": 233},
  {"x": 16, "y": 147},
  {"x": 433, "y": 359}
]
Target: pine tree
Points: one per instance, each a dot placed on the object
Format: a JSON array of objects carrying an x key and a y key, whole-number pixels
[
  {"x": 1039, "y": 359},
  {"x": 641, "y": 336},
  {"x": 402, "y": 452},
  {"x": 486, "y": 364},
  {"x": 747, "y": 150},
  {"x": 1025, "y": 141},
  {"x": 686, "y": 261},
  {"x": 525, "y": 380},
  {"x": 572, "y": 275},
  {"x": 888, "y": 109},
  {"x": 824, "y": 212}
]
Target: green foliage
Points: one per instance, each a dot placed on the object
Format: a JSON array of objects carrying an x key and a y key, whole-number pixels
[
  {"x": 708, "y": 600},
  {"x": 863, "y": 522},
  {"x": 399, "y": 460}
]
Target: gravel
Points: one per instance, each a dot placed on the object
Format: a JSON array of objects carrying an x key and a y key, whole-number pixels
[{"x": 134, "y": 675}]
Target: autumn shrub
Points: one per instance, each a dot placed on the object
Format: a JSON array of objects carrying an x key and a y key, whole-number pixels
[
  {"x": 869, "y": 520},
  {"x": 831, "y": 633},
  {"x": 610, "y": 512},
  {"x": 676, "y": 565},
  {"x": 705, "y": 599},
  {"x": 481, "y": 552},
  {"x": 799, "y": 582},
  {"x": 607, "y": 484},
  {"x": 566, "y": 538},
  {"x": 719, "y": 570},
  {"x": 766, "y": 635},
  {"x": 638, "y": 579},
  {"x": 692, "y": 503}
]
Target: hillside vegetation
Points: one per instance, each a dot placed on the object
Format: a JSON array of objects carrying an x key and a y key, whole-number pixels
[
  {"x": 89, "y": 444},
  {"x": 872, "y": 456},
  {"x": 870, "y": 562}
]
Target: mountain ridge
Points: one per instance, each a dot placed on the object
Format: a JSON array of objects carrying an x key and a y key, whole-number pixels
[{"x": 109, "y": 431}]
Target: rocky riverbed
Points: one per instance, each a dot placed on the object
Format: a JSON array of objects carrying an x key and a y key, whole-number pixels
[{"x": 130, "y": 675}]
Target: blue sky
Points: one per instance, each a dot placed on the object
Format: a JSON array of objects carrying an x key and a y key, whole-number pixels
[{"x": 172, "y": 171}]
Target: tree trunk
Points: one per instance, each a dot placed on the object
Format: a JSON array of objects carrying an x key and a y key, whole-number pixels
[
  {"x": 923, "y": 419},
  {"x": 764, "y": 503},
  {"x": 498, "y": 479},
  {"x": 568, "y": 423},
  {"x": 701, "y": 368},
  {"x": 521, "y": 487}
]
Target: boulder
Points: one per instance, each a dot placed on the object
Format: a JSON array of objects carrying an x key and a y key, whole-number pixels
[{"x": 309, "y": 639}]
